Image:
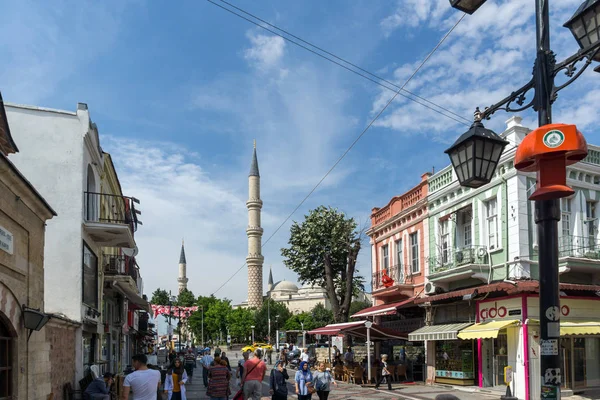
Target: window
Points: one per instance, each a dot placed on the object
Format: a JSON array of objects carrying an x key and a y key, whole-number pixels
[
  {"x": 565, "y": 221},
  {"x": 444, "y": 242},
  {"x": 385, "y": 258},
  {"x": 399, "y": 253},
  {"x": 6, "y": 362},
  {"x": 467, "y": 235},
  {"x": 90, "y": 277},
  {"x": 491, "y": 215},
  {"x": 590, "y": 220},
  {"x": 414, "y": 252}
]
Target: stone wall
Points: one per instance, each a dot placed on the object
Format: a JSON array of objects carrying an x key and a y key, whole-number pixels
[{"x": 62, "y": 340}]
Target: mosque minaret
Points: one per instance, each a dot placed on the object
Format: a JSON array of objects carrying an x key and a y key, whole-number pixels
[{"x": 254, "y": 231}]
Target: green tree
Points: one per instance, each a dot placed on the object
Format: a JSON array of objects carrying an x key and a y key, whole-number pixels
[
  {"x": 160, "y": 297},
  {"x": 215, "y": 313},
  {"x": 322, "y": 251},
  {"x": 356, "y": 306},
  {"x": 186, "y": 298},
  {"x": 294, "y": 323},
  {"x": 279, "y": 315},
  {"x": 321, "y": 316},
  {"x": 240, "y": 321}
]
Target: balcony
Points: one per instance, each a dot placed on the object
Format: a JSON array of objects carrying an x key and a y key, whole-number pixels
[
  {"x": 456, "y": 264},
  {"x": 398, "y": 274},
  {"x": 111, "y": 220},
  {"x": 579, "y": 247},
  {"x": 121, "y": 273}
]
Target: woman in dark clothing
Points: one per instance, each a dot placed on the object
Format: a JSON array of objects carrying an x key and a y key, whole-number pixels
[
  {"x": 224, "y": 358},
  {"x": 278, "y": 382}
]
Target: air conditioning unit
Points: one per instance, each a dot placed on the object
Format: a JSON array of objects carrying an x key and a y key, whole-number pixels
[{"x": 431, "y": 288}]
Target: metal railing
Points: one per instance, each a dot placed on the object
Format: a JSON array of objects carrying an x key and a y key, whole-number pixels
[
  {"x": 396, "y": 272},
  {"x": 120, "y": 265},
  {"x": 452, "y": 258},
  {"x": 579, "y": 246},
  {"x": 111, "y": 209}
]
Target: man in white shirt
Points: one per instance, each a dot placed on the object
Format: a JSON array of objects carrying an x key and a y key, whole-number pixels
[
  {"x": 143, "y": 382},
  {"x": 305, "y": 356}
]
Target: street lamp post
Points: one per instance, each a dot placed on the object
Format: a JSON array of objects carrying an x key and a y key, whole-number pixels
[
  {"x": 368, "y": 325},
  {"x": 202, "y": 309},
  {"x": 170, "y": 329},
  {"x": 269, "y": 318},
  {"x": 474, "y": 165},
  {"x": 303, "y": 336},
  {"x": 252, "y": 333}
]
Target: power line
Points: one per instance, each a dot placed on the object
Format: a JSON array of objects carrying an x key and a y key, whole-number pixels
[
  {"x": 458, "y": 118},
  {"x": 346, "y": 61},
  {"x": 351, "y": 145}
]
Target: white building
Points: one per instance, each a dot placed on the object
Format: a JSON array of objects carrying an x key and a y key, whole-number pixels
[{"x": 62, "y": 157}]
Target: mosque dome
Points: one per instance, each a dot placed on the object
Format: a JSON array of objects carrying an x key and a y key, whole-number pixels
[{"x": 285, "y": 286}]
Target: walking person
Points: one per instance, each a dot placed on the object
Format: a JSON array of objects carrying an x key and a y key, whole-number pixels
[
  {"x": 254, "y": 373},
  {"x": 323, "y": 381},
  {"x": 143, "y": 382},
  {"x": 304, "y": 382},
  {"x": 206, "y": 361},
  {"x": 189, "y": 363},
  {"x": 385, "y": 373},
  {"x": 226, "y": 359},
  {"x": 278, "y": 382},
  {"x": 218, "y": 383},
  {"x": 99, "y": 389},
  {"x": 240, "y": 369},
  {"x": 175, "y": 381}
]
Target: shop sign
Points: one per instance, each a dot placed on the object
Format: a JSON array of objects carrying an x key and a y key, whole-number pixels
[
  {"x": 508, "y": 375},
  {"x": 6, "y": 240},
  {"x": 549, "y": 347},
  {"x": 549, "y": 392},
  {"x": 499, "y": 309},
  {"x": 570, "y": 309}
]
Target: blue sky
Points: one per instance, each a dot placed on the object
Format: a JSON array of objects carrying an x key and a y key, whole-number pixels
[{"x": 179, "y": 92}]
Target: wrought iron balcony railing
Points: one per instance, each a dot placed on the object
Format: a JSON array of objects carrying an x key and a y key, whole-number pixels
[
  {"x": 452, "y": 258},
  {"x": 580, "y": 247},
  {"x": 111, "y": 209},
  {"x": 120, "y": 265},
  {"x": 396, "y": 272}
]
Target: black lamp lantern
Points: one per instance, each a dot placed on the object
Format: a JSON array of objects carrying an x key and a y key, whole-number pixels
[
  {"x": 475, "y": 155},
  {"x": 34, "y": 319},
  {"x": 585, "y": 24},
  {"x": 468, "y": 6}
]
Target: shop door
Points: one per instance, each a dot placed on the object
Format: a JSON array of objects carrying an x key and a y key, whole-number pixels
[
  {"x": 567, "y": 360},
  {"x": 6, "y": 362},
  {"x": 487, "y": 357},
  {"x": 500, "y": 358},
  {"x": 579, "y": 366}
]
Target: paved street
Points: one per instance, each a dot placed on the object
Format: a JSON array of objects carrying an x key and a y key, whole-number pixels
[{"x": 345, "y": 391}]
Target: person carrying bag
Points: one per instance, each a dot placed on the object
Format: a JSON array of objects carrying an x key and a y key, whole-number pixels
[{"x": 278, "y": 382}]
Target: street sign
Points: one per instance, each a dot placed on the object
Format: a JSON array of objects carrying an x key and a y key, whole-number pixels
[{"x": 508, "y": 375}]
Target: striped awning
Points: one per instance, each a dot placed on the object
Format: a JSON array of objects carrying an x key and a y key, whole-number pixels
[{"x": 438, "y": 332}]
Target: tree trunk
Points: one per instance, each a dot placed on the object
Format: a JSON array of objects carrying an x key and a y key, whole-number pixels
[
  {"x": 335, "y": 304},
  {"x": 353, "y": 250}
]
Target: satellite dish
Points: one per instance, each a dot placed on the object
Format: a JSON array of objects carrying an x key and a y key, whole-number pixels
[{"x": 131, "y": 252}]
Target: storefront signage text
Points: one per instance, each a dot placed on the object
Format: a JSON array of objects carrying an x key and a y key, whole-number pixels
[
  {"x": 6, "y": 240},
  {"x": 493, "y": 312}
]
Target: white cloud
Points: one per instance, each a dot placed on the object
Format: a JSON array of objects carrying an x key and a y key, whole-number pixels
[{"x": 266, "y": 51}]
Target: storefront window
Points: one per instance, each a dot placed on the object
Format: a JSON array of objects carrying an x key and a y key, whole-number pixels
[
  {"x": 454, "y": 359},
  {"x": 88, "y": 349}
]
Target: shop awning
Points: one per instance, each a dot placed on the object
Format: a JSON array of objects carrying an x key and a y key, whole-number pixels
[
  {"x": 334, "y": 329},
  {"x": 377, "y": 333},
  {"x": 485, "y": 330},
  {"x": 383, "y": 309},
  {"x": 359, "y": 329},
  {"x": 579, "y": 328},
  {"x": 438, "y": 332},
  {"x": 126, "y": 289},
  {"x": 568, "y": 328}
]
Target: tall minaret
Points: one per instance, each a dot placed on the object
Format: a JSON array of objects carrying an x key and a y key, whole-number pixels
[
  {"x": 182, "y": 280},
  {"x": 254, "y": 231}
]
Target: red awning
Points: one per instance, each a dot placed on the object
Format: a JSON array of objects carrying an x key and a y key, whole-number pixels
[
  {"x": 358, "y": 328},
  {"x": 383, "y": 309},
  {"x": 334, "y": 329},
  {"x": 378, "y": 333}
]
